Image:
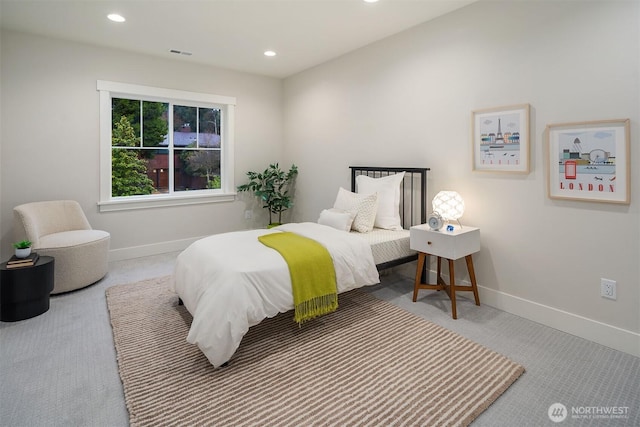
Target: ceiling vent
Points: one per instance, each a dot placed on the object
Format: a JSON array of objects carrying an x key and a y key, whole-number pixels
[{"x": 180, "y": 52}]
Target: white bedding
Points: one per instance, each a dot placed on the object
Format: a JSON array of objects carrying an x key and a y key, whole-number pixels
[{"x": 230, "y": 282}]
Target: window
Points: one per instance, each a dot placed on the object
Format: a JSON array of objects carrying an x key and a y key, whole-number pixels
[{"x": 161, "y": 147}]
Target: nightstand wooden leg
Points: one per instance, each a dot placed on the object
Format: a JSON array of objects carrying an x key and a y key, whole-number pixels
[
  {"x": 472, "y": 276},
  {"x": 419, "y": 270},
  {"x": 452, "y": 290}
]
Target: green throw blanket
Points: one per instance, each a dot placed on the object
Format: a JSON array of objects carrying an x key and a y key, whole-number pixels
[{"x": 313, "y": 277}]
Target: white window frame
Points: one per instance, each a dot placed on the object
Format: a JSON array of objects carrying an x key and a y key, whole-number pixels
[{"x": 109, "y": 90}]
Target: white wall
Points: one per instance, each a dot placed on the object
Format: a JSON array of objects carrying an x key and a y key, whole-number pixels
[
  {"x": 406, "y": 101},
  {"x": 50, "y": 147}
]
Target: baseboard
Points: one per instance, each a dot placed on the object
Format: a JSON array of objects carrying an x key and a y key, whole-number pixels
[
  {"x": 152, "y": 249},
  {"x": 592, "y": 330},
  {"x": 580, "y": 326}
]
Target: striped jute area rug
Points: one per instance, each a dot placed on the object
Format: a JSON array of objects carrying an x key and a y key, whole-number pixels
[{"x": 369, "y": 363}]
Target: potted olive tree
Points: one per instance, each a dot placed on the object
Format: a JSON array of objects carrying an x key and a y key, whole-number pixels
[{"x": 273, "y": 188}]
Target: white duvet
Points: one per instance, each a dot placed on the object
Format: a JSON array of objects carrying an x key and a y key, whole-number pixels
[{"x": 230, "y": 282}]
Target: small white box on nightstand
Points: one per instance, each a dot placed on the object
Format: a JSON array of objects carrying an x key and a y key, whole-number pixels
[{"x": 460, "y": 242}]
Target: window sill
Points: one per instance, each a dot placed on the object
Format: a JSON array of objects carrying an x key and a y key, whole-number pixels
[{"x": 150, "y": 202}]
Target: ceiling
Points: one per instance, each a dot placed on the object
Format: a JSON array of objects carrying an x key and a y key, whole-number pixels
[{"x": 231, "y": 34}]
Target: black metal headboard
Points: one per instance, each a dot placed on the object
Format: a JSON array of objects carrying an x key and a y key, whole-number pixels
[{"x": 413, "y": 190}]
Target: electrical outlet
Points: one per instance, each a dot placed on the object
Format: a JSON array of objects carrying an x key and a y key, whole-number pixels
[
  {"x": 248, "y": 214},
  {"x": 608, "y": 288}
]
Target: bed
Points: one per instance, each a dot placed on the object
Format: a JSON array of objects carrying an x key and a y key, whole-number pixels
[
  {"x": 391, "y": 247},
  {"x": 230, "y": 281}
]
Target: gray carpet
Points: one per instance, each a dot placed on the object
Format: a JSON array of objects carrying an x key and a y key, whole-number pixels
[{"x": 59, "y": 369}]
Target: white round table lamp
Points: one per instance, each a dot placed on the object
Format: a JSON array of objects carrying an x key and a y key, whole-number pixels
[{"x": 449, "y": 205}]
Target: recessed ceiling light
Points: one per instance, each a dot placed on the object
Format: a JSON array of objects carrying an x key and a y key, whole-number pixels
[
  {"x": 269, "y": 53},
  {"x": 370, "y": 1},
  {"x": 115, "y": 17}
]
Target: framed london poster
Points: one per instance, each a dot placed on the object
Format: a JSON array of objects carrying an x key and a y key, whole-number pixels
[
  {"x": 589, "y": 161},
  {"x": 500, "y": 138}
]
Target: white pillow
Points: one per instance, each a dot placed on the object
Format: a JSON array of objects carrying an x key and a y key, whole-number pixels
[
  {"x": 363, "y": 206},
  {"x": 337, "y": 218},
  {"x": 388, "y": 189}
]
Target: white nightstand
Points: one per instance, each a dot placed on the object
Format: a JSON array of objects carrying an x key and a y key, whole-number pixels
[{"x": 452, "y": 245}]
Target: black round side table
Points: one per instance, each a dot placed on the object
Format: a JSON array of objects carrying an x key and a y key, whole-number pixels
[{"x": 24, "y": 291}]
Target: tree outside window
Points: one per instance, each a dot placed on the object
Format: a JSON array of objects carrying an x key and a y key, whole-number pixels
[{"x": 128, "y": 167}]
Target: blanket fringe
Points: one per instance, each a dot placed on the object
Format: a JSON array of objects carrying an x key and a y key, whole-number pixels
[{"x": 315, "y": 307}]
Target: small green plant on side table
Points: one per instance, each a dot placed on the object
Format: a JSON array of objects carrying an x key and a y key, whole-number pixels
[{"x": 23, "y": 248}]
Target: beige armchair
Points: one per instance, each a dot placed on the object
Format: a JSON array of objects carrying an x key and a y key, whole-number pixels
[{"x": 60, "y": 229}]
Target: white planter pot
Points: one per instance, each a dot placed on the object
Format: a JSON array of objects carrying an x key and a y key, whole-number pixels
[{"x": 23, "y": 253}]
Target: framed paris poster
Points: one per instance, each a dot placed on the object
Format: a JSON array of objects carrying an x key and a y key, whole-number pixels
[
  {"x": 500, "y": 139},
  {"x": 589, "y": 161}
]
